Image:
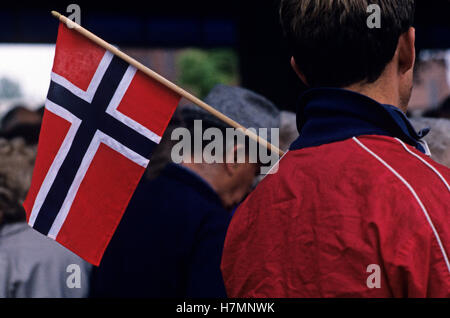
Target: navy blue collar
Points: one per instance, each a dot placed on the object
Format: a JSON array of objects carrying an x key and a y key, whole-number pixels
[{"x": 326, "y": 115}]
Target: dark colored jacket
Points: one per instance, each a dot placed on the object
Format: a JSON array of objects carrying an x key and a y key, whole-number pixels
[{"x": 168, "y": 243}]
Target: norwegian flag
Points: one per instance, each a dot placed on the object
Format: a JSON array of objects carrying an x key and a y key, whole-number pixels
[{"x": 102, "y": 120}]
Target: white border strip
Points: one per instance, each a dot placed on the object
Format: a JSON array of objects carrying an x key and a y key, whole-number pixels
[
  {"x": 99, "y": 137},
  {"x": 426, "y": 163},
  {"x": 59, "y": 158},
  {"x": 87, "y": 95},
  {"x": 430, "y": 222},
  {"x": 117, "y": 98}
]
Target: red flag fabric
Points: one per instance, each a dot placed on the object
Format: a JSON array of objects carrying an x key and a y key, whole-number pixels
[{"x": 102, "y": 119}]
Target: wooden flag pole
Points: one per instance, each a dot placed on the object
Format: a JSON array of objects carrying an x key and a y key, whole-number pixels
[{"x": 164, "y": 81}]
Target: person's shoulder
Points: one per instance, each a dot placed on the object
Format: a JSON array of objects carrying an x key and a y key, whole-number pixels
[
  {"x": 39, "y": 266},
  {"x": 26, "y": 243},
  {"x": 182, "y": 193},
  {"x": 362, "y": 157},
  {"x": 404, "y": 161},
  {"x": 331, "y": 163},
  {"x": 367, "y": 169}
]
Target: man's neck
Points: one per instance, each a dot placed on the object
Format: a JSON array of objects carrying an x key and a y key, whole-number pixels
[
  {"x": 203, "y": 172},
  {"x": 209, "y": 175},
  {"x": 381, "y": 91}
]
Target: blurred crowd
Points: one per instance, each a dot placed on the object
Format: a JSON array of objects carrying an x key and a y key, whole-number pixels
[{"x": 186, "y": 238}]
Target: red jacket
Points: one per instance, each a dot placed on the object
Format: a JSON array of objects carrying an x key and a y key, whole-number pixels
[{"x": 314, "y": 228}]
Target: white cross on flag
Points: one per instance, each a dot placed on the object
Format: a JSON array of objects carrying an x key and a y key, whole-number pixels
[{"x": 102, "y": 119}]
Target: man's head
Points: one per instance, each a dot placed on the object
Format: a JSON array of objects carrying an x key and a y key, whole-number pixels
[
  {"x": 21, "y": 122},
  {"x": 233, "y": 176},
  {"x": 16, "y": 167},
  {"x": 333, "y": 45}
]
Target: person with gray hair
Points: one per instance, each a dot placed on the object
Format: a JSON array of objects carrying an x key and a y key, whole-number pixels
[
  {"x": 288, "y": 129},
  {"x": 438, "y": 139},
  {"x": 31, "y": 265},
  {"x": 169, "y": 241}
]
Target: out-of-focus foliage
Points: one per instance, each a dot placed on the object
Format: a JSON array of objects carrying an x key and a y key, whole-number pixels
[{"x": 200, "y": 70}]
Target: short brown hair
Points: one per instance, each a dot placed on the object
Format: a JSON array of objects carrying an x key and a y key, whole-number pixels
[{"x": 332, "y": 44}]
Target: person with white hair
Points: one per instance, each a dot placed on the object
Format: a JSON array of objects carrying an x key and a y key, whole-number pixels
[
  {"x": 31, "y": 265},
  {"x": 169, "y": 241},
  {"x": 438, "y": 139}
]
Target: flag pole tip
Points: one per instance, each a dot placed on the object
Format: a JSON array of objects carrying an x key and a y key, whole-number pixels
[{"x": 56, "y": 14}]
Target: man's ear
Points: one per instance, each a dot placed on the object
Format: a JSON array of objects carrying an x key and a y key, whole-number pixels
[
  {"x": 298, "y": 72},
  {"x": 232, "y": 161},
  {"x": 406, "y": 51},
  {"x": 230, "y": 168}
]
